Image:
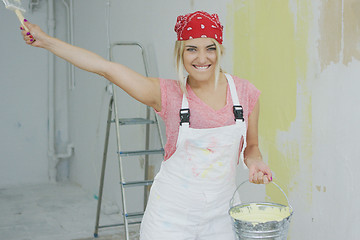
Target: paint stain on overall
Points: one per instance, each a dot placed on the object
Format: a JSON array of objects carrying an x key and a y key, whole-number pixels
[{"x": 270, "y": 49}]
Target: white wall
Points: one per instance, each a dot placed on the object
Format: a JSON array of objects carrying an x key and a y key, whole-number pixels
[
  {"x": 24, "y": 100},
  {"x": 23, "y": 104}
]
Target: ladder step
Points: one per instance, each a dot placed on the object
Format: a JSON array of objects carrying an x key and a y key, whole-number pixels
[
  {"x": 118, "y": 224},
  {"x": 134, "y": 215},
  {"x": 133, "y": 121},
  {"x": 141, "y": 152},
  {"x": 137, "y": 183}
]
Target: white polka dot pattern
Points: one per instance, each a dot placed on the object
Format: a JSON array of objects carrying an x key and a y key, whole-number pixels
[{"x": 197, "y": 25}]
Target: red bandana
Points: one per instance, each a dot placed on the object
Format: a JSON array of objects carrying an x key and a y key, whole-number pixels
[{"x": 199, "y": 24}]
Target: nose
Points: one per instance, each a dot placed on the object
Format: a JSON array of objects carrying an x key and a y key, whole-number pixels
[{"x": 202, "y": 57}]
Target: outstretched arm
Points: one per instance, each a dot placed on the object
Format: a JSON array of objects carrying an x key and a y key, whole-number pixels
[
  {"x": 259, "y": 172},
  {"x": 143, "y": 89}
]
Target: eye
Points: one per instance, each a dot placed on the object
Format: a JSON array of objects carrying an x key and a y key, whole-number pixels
[
  {"x": 212, "y": 49},
  {"x": 191, "y": 49}
]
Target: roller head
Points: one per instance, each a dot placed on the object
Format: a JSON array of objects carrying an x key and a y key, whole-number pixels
[{"x": 13, "y": 5}]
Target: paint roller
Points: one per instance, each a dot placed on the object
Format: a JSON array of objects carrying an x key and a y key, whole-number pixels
[{"x": 15, "y": 5}]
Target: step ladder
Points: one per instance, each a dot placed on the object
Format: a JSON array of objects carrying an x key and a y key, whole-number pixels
[{"x": 121, "y": 154}]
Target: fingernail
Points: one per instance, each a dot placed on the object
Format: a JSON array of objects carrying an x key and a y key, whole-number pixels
[
  {"x": 31, "y": 36},
  {"x": 25, "y": 20},
  {"x": 31, "y": 40},
  {"x": 28, "y": 33},
  {"x": 271, "y": 178},
  {"x": 21, "y": 28}
]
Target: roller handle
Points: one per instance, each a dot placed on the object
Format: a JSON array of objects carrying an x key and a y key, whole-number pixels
[{"x": 21, "y": 19}]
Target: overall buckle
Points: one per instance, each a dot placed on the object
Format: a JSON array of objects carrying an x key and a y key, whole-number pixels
[
  {"x": 238, "y": 112},
  {"x": 184, "y": 115}
]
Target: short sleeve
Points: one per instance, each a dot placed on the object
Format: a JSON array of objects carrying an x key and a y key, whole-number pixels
[{"x": 163, "y": 99}]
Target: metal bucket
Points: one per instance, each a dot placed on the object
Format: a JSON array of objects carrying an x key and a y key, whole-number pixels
[{"x": 270, "y": 230}]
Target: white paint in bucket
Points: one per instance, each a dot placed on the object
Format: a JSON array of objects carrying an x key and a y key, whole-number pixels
[{"x": 255, "y": 213}]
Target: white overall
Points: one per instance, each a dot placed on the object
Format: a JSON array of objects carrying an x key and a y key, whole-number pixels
[{"x": 189, "y": 199}]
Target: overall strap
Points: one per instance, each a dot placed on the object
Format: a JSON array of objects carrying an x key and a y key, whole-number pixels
[
  {"x": 184, "y": 112},
  {"x": 237, "y": 108}
]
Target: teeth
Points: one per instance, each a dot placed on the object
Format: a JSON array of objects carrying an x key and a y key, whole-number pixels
[{"x": 202, "y": 67}]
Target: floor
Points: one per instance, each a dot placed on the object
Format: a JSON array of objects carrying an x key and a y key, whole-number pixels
[{"x": 61, "y": 211}]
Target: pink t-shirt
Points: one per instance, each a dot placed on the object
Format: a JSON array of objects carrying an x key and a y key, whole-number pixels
[{"x": 201, "y": 115}]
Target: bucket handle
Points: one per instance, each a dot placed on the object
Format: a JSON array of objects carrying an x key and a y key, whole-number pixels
[{"x": 232, "y": 199}]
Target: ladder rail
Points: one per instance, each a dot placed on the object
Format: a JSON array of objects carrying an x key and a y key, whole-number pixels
[
  {"x": 127, "y": 43},
  {"x": 113, "y": 107},
  {"x": 121, "y": 173},
  {"x": 108, "y": 125}
]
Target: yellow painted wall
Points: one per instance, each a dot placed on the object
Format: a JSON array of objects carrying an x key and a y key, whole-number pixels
[{"x": 270, "y": 50}]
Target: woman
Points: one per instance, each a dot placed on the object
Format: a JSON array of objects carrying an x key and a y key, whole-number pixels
[{"x": 208, "y": 115}]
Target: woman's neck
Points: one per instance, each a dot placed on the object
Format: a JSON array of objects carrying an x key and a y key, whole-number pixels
[
  {"x": 205, "y": 84},
  {"x": 206, "y": 91}
]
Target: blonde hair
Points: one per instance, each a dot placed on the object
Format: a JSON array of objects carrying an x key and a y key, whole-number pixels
[{"x": 179, "y": 63}]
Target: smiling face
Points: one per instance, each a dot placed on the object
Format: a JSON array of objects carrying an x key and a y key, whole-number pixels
[{"x": 199, "y": 59}]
